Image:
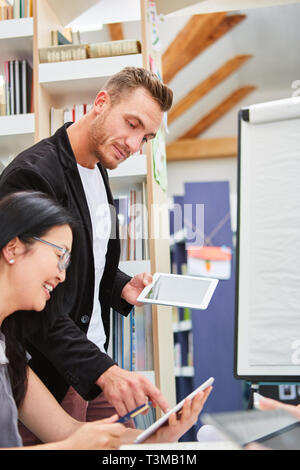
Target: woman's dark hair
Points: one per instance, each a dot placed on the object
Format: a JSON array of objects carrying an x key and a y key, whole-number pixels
[{"x": 25, "y": 214}]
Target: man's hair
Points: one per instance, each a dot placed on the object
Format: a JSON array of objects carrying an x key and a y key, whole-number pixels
[{"x": 131, "y": 78}]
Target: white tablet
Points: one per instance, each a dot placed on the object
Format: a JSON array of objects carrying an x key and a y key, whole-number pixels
[
  {"x": 179, "y": 291},
  {"x": 151, "y": 430}
]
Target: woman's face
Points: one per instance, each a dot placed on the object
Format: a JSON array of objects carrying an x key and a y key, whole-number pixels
[{"x": 35, "y": 272}]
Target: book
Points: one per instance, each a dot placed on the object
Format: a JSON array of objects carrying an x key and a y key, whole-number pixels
[
  {"x": 114, "y": 48},
  {"x": 59, "y": 38},
  {"x": 2, "y": 90},
  {"x": 18, "y": 83},
  {"x": 12, "y": 9},
  {"x": 76, "y": 37},
  {"x": 133, "y": 224},
  {"x": 17, "y": 88},
  {"x": 63, "y": 53},
  {"x": 27, "y": 91},
  {"x": 7, "y": 93},
  {"x": 11, "y": 87},
  {"x": 16, "y": 8},
  {"x": 59, "y": 116}
]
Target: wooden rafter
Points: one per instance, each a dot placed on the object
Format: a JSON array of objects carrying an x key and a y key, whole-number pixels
[
  {"x": 200, "y": 32},
  {"x": 194, "y": 149},
  {"x": 116, "y": 31},
  {"x": 189, "y": 43},
  {"x": 217, "y": 112},
  {"x": 206, "y": 86}
]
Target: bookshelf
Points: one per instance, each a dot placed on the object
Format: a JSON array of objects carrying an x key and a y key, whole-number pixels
[
  {"x": 16, "y": 38},
  {"x": 68, "y": 80},
  {"x": 16, "y": 43},
  {"x": 131, "y": 172},
  {"x": 16, "y": 133},
  {"x": 62, "y": 84}
]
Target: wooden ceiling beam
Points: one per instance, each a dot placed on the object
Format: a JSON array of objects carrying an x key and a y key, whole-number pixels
[
  {"x": 206, "y": 86},
  {"x": 217, "y": 112},
  {"x": 189, "y": 43},
  {"x": 200, "y": 32},
  {"x": 194, "y": 149},
  {"x": 116, "y": 31}
]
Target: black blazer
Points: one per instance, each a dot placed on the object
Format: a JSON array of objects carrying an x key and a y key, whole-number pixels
[{"x": 61, "y": 353}]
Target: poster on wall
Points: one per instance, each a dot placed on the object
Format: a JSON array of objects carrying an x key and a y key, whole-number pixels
[
  {"x": 160, "y": 160},
  {"x": 155, "y": 39}
]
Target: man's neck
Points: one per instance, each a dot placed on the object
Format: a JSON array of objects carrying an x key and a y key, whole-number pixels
[{"x": 78, "y": 137}]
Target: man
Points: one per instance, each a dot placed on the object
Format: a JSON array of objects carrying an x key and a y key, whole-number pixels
[{"x": 70, "y": 356}]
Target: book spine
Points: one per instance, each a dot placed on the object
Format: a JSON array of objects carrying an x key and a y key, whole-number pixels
[
  {"x": 113, "y": 48},
  {"x": 24, "y": 86},
  {"x": 11, "y": 87},
  {"x": 16, "y": 8},
  {"x": 62, "y": 53},
  {"x": 7, "y": 97},
  {"x": 17, "y": 87}
]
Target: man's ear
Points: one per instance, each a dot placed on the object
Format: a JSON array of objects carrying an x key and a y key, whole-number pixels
[
  {"x": 12, "y": 249},
  {"x": 102, "y": 101}
]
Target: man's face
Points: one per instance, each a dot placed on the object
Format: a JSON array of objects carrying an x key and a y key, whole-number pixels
[{"x": 120, "y": 130}]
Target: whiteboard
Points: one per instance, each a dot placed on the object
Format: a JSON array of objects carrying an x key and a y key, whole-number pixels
[{"x": 267, "y": 319}]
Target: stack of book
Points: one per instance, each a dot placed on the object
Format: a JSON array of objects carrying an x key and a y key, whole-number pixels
[
  {"x": 133, "y": 225},
  {"x": 124, "y": 340},
  {"x": 131, "y": 349},
  {"x": 11, "y": 9},
  {"x": 69, "y": 51},
  {"x": 132, "y": 340},
  {"x": 58, "y": 116},
  {"x": 16, "y": 93}
]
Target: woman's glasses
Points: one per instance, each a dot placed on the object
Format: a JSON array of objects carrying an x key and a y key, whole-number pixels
[{"x": 65, "y": 259}]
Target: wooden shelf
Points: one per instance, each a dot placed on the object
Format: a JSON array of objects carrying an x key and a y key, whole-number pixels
[
  {"x": 16, "y": 133},
  {"x": 17, "y": 124},
  {"x": 184, "y": 325},
  {"x": 150, "y": 374},
  {"x": 135, "y": 267},
  {"x": 82, "y": 78},
  {"x": 184, "y": 371},
  {"x": 68, "y": 10},
  {"x": 130, "y": 173},
  {"x": 16, "y": 39},
  {"x": 178, "y": 237}
]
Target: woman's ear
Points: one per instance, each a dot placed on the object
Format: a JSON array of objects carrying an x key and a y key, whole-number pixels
[{"x": 13, "y": 248}]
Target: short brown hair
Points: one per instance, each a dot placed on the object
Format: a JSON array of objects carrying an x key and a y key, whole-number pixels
[{"x": 131, "y": 78}]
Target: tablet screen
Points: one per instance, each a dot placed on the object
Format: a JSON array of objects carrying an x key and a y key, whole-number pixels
[
  {"x": 181, "y": 290},
  {"x": 151, "y": 430}
]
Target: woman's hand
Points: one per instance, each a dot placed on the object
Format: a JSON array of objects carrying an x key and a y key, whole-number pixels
[
  {"x": 105, "y": 434},
  {"x": 180, "y": 423}
]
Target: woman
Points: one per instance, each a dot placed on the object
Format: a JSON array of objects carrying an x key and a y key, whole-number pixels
[{"x": 35, "y": 248}]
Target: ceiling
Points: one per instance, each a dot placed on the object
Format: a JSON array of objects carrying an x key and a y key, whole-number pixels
[
  {"x": 192, "y": 7},
  {"x": 271, "y": 34}
]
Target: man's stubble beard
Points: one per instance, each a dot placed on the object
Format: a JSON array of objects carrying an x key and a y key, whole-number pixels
[{"x": 98, "y": 138}]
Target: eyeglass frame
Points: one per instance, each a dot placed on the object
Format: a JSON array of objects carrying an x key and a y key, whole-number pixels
[{"x": 61, "y": 267}]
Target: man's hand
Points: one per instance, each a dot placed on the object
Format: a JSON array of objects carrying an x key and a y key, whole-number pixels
[
  {"x": 180, "y": 423},
  {"x": 134, "y": 287},
  {"x": 127, "y": 390}
]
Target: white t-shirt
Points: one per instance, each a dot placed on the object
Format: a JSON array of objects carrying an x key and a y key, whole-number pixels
[{"x": 96, "y": 197}]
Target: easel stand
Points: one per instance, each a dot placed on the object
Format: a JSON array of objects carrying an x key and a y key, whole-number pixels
[{"x": 253, "y": 388}]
